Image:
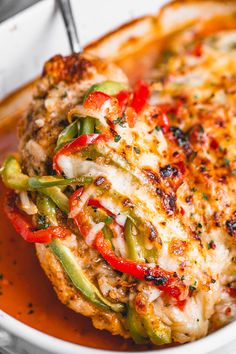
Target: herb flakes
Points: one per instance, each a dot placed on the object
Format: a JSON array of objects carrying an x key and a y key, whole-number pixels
[
  {"x": 117, "y": 138},
  {"x": 137, "y": 150}
]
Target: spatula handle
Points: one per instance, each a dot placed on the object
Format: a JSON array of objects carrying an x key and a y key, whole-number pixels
[{"x": 66, "y": 11}]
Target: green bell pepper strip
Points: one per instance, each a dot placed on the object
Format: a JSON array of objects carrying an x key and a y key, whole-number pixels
[
  {"x": 58, "y": 197},
  {"x": 55, "y": 193},
  {"x": 111, "y": 88},
  {"x": 136, "y": 328},
  {"x": 47, "y": 208},
  {"x": 79, "y": 279},
  {"x": 12, "y": 175},
  {"x": 141, "y": 327},
  {"x": 151, "y": 255},
  {"x": 67, "y": 134},
  {"x": 144, "y": 328},
  {"x": 136, "y": 244},
  {"x": 108, "y": 235},
  {"x": 157, "y": 331},
  {"x": 13, "y": 178},
  {"x": 36, "y": 183},
  {"x": 135, "y": 251},
  {"x": 87, "y": 125}
]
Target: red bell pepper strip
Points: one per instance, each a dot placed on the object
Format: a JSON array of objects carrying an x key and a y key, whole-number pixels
[
  {"x": 81, "y": 219},
  {"x": 142, "y": 271},
  {"x": 95, "y": 203},
  {"x": 141, "y": 94},
  {"x": 75, "y": 146},
  {"x": 123, "y": 98},
  {"x": 24, "y": 227},
  {"x": 95, "y": 100},
  {"x": 75, "y": 197}
]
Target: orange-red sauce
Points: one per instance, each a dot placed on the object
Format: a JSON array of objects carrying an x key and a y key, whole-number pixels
[{"x": 26, "y": 293}]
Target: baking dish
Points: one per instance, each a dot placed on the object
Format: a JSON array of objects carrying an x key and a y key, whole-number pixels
[{"x": 143, "y": 30}]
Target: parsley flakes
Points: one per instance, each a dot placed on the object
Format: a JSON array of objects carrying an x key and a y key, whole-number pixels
[
  {"x": 117, "y": 138},
  {"x": 137, "y": 150},
  {"x": 118, "y": 121}
]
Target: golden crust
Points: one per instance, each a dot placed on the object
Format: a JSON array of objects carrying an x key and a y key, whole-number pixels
[{"x": 74, "y": 68}]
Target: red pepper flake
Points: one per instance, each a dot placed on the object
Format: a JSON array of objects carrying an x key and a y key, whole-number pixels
[
  {"x": 228, "y": 310},
  {"x": 211, "y": 245},
  {"x": 182, "y": 211},
  {"x": 197, "y": 50},
  {"x": 214, "y": 144}
]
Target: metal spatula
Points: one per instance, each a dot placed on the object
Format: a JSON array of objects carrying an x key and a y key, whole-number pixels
[{"x": 67, "y": 14}]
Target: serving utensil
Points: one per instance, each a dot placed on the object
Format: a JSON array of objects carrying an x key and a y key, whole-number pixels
[{"x": 68, "y": 17}]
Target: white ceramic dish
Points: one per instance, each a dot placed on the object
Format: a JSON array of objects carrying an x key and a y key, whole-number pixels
[
  {"x": 28, "y": 39},
  {"x": 25, "y": 44}
]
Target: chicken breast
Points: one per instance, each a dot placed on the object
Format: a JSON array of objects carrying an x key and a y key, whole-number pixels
[{"x": 64, "y": 83}]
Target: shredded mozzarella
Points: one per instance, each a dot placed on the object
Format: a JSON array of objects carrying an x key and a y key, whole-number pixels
[
  {"x": 121, "y": 219},
  {"x": 83, "y": 200},
  {"x": 26, "y": 204},
  {"x": 93, "y": 232}
]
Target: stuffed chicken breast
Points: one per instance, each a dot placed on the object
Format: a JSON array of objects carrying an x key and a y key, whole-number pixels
[{"x": 129, "y": 194}]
